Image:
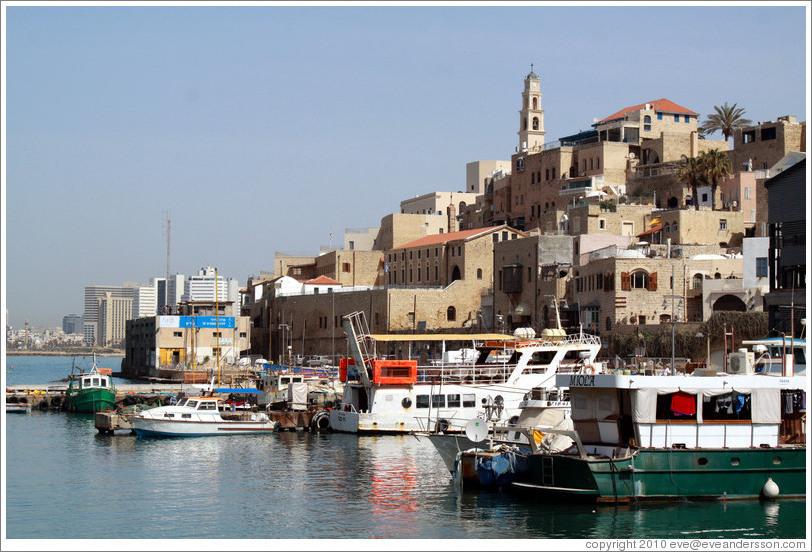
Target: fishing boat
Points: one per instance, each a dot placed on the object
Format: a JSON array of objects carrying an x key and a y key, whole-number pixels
[
  {"x": 776, "y": 355},
  {"x": 198, "y": 416},
  {"x": 678, "y": 437},
  {"x": 91, "y": 391},
  {"x": 398, "y": 396}
]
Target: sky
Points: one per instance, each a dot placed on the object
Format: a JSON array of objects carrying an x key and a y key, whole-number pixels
[{"x": 264, "y": 128}]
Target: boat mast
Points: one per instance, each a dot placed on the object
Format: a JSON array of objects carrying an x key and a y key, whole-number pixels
[{"x": 217, "y": 324}]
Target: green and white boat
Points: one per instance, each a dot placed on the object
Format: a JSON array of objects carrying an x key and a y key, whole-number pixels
[
  {"x": 91, "y": 391},
  {"x": 677, "y": 437}
]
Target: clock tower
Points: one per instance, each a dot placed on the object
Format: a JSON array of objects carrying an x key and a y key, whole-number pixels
[{"x": 531, "y": 116}]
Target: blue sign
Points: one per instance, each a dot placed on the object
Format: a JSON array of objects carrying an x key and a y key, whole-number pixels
[{"x": 225, "y": 322}]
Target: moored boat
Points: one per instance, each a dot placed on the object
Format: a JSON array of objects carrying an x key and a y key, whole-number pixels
[
  {"x": 18, "y": 408},
  {"x": 398, "y": 396},
  {"x": 678, "y": 437},
  {"x": 198, "y": 416},
  {"x": 91, "y": 391}
]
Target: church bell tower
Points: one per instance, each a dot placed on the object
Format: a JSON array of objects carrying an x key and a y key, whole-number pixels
[{"x": 531, "y": 116}]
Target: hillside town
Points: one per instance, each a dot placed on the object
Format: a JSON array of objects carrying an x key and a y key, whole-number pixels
[{"x": 647, "y": 226}]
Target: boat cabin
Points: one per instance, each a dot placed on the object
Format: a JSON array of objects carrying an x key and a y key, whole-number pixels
[
  {"x": 200, "y": 403},
  {"x": 93, "y": 380},
  {"x": 687, "y": 411}
]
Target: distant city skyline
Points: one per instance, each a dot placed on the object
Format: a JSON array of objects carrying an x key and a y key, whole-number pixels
[{"x": 258, "y": 129}]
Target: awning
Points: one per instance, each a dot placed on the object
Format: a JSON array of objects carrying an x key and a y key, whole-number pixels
[
  {"x": 652, "y": 231},
  {"x": 247, "y": 390},
  {"x": 441, "y": 337}
]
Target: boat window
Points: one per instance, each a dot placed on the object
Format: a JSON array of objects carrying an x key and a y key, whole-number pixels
[
  {"x": 541, "y": 357},
  {"x": 192, "y": 404},
  {"x": 454, "y": 400},
  {"x": 422, "y": 401},
  {"x": 103, "y": 383},
  {"x": 469, "y": 401},
  {"x": 800, "y": 356},
  {"x": 438, "y": 401},
  {"x": 185, "y": 415},
  {"x": 168, "y": 415},
  {"x": 284, "y": 379},
  {"x": 207, "y": 405},
  {"x": 182, "y": 402},
  {"x": 95, "y": 382},
  {"x": 731, "y": 406},
  {"x": 676, "y": 406},
  {"x": 85, "y": 382}
]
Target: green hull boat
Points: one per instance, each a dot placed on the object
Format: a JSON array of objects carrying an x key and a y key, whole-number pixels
[{"x": 91, "y": 391}]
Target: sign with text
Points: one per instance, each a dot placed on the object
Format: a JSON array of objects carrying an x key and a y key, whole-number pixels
[{"x": 224, "y": 322}]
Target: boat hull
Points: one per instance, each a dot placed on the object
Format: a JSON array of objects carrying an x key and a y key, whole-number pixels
[
  {"x": 91, "y": 400},
  {"x": 145, "y": 427},
  {"x": 669, "y": 474},
  {"x": 19, "y": 408}
]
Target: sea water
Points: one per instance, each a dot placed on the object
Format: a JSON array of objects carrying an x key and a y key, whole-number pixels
[{"x": 64, "y": 480}]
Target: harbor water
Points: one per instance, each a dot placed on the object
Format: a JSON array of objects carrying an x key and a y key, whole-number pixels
[{"x": 64, "y": 480}]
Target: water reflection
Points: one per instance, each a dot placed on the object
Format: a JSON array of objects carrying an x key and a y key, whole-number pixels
[{"x": 298, "y": 485}]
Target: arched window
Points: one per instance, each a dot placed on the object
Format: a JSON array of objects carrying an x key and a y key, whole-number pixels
[
  {"x": 666, "y": 228},
  {"x": 455, "y": 274},
  {"x": 697, "y": 281},
  {"x": 478, "y": 273},
  {"x": 639, "y": 279},
  {"x": 535, "y": 103},
  {"x": 647, "y": 122},
  {"x": 674, "y": 227},
  {"x": 608, "y": 323},
  {"x": 451, "y": 314},
  {"x": 535, "y": 123}
]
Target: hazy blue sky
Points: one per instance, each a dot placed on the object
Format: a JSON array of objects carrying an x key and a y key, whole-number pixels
[{"x": 258, "y": 129}]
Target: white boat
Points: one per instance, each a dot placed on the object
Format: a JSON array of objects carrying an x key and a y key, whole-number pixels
[
  {"x": 198, "y": 416},
  {"x": 778, "y": 356},
  {"x": 397, "y": 396}
]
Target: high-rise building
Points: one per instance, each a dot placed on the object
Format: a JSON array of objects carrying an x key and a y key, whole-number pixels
[
  {"x": 202, "y": 287},
  {"x": 174, "y": 291},
  {"x": 91, "y": 320},
  {"x": 145, "y": 300},
  {"x": 113, "y": 313},
  {"x": 72, "y": 324}
]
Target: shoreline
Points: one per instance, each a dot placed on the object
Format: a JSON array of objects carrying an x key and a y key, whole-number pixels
[{"x": 62, "y": 353}]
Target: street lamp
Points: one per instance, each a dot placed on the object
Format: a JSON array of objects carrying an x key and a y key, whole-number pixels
[
  {"x": 673, "y": 323},
  {"x": 707, "y": 353}
]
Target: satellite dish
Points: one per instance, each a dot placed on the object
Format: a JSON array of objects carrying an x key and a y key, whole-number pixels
[
  {"x": 631, "y": 155},
  {"x": 476, "y": 430}
]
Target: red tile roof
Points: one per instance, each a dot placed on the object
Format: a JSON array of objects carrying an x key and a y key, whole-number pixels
[
  {"x": 323, "y": 281},
  {"x": 436, "y": 239},
  {"x": 662, "y": 105}
]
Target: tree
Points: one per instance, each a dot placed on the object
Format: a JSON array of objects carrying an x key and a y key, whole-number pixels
[
  {"x": 691, "y": 171},
  {"x": 715, "y": 165},
  {"x": 726, "y": 119}
]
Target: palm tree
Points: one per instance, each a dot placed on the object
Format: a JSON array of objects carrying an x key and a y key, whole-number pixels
[
  {"x": 715, "y": 165},
  {"x": 691, "y": 171},
  {"x": 726, "y": 119}
]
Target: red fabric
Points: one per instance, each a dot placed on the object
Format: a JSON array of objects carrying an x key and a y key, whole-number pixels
[{"x": 683, "y": 404}]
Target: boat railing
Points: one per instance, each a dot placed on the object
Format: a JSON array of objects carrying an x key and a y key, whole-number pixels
[{"x": 464, "y": 373}]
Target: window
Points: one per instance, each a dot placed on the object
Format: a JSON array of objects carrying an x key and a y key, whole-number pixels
[
  {"x": 761, "y": 267},
  {"x": 666, "y": 228},
  {"x": 676, "y": 118},
  {"x": 451, "y": 314},
  {"x": 697, "y": 281},
  {"x": 659, "y": 116},
  {"x": 687, "y": 119},
  {"x": 722, "y": 224},
  {"x": 747, "y": 192},
  {"x": 454, "y": 401},
  {"x": 177, "y": 334},
  {"x": 345, "y": 267},
  {"x": 468, "y": 401},
  {"x": 704, "y": 198},
  {"x": 438, "y": 401},
  {"x": 640, "y": 279},
  {"x": 768, "y": 133},
  {"x": 647, "y": 121},
  {"x": 602, "y": 224},
  {"x": 641, "y": 319},
  {"x": 749, "y": 136},
  {"x": 598, "y": 163},
  {"x": 478, "y": 273},
  {"x": 422, "y": 401}
]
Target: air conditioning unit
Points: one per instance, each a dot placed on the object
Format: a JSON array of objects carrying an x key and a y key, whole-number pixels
[
  {"x": 734, "y": 204},
  {"x": 741, "y": 363}
]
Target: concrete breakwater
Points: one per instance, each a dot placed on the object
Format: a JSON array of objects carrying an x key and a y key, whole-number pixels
[{"x": 52, "y": 397}]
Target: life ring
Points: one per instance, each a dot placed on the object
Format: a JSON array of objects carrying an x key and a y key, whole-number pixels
[
  {"x": 589, "y": 370},
  {"x": 442, "y": 425}
]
